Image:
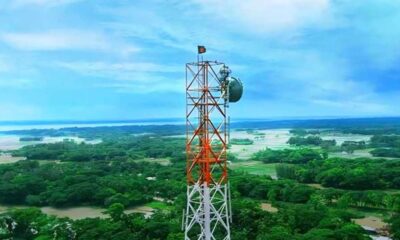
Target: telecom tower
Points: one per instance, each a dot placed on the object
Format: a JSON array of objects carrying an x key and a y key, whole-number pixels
[{"x": 209, "y": 89}]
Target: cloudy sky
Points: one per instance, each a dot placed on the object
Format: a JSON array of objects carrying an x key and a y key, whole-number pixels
[{"x": 124, "y": 59}]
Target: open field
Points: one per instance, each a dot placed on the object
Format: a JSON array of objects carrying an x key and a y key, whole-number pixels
[
  {"x": 161, "y": 161},
  {"x": 356, "y": 154},
  {"x": 341, "y": 137},
  {"x": 255, "y": 167},
  {"x": 91, "y": 212},
  {"x": 373, "y": 218},
  {"x": 158, "y": 205},
  {"x": 268, "y": 207},
  {"x": 277, "y": 139},
  {"x": 316, "y": 185},
  {"x": 361, "y": 153},
  {"x": 272, "y": 138},
  {"x": 7, "y": 158},
  {"x": 372, "y": 222}
]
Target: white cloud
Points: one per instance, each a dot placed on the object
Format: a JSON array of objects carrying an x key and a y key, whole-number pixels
[
  {"x": 183, "y": 32},
  {"x": 109, "y": 67},
  {"x": 162, "y": 85},
  {"x": 55, "y": 40},
  {"x": 41, "y": 3},
  {"x": 318, "y": 79},
  {"x": 366, "y": 107},
  {"x": 19, "y": 83},
  {"x": 264, "y": 16},
  {"x": 134, "y": 77},
  {"x": 65, "y": 40}
]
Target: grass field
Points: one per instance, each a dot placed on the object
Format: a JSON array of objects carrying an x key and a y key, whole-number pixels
[
  {"x": 374, "y": 218},
  {"x": 158, "y": 205},
  {"x": 255, "y": 167},
  {"x": 161, "y": 161},
  {"x": 358, "y": 154}
]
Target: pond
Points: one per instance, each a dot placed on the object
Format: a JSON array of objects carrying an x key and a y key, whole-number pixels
[{"x": 76, "y": 213}]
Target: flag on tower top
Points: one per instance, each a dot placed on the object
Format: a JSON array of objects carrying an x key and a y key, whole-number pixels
[{"x": 201, "y": 49}]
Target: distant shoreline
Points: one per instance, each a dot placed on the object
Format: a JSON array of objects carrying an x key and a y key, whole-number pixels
[
  {"x": 365, "y": 122},
  {"x": 28, "y": 125}
]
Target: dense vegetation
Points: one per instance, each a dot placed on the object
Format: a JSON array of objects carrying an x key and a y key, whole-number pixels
[
  {"x": 29, "y": 139},
  {"x": 103, "y": 132},
  {"x": 241, "y": 141},
  {"x": 312, "y": 141},
  {"x": 357, "y": 174},
  {"x": 101, "y": 183},
  {"x": 395, "y": 226},
  {"x": 351, "y": 146},
  {"x": 295, "y": 156},
  {"x": 303, "y": 132},
  {"x": 121, "y": 148},
  {"x": 385, "y": 146},
  {"x": 109, "y": 175},
  {"x": 385, "y": 141},
  {"x": 301, "y": 216},
  {"x": 298, "y": 222},
  {"x": 118, "y": 181}
]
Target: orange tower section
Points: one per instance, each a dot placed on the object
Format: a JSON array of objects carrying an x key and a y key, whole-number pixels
[
  {"x": 206, "y": 124},
  {"x": 207, "y": 214}
]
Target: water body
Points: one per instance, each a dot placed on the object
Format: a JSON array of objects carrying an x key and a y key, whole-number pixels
[
  {"x": 7, "y": 158},
  {"x": 11, "y": 142},
  {"x": 271, "y": 138},
  {"x": 27, "y": 125},
  {"x": 341, "y": 137},
  {"x": 76, "y": 213}
]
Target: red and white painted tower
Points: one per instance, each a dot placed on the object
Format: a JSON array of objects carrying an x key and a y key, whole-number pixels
[{"x": 209, "y": 89}]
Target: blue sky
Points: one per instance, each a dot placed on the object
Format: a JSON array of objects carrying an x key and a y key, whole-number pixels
[{"x": 120, "y": 59}]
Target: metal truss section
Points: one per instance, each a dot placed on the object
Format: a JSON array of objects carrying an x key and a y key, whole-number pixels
[
  {"x": 207, "y": 212},
  {"x": 208, "y": 206}
]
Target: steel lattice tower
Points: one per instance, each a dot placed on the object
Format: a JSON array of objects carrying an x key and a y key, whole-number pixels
[{"x": 208, "y": 210}]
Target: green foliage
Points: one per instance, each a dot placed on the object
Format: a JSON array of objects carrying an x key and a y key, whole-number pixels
[
  {"x": 386, "y": 152},
  {"x": 241, "y": 141},
  {"x": 385, "y": 146},
  {"x": 96, "y": 183},
  {"x": 296, "y": 156},
  {"x": 286, "y": 171},
  {"x": 108, "y": 174},
  {"x": 350, "y": 146},
  {"x": 121, "y": 149},
  {"x": 30, "y": 223},
  {"x": 298, "y": 132},
  {"x": 272, "y": 190},
  {"x": 356, "y": 174},
  {"x": 312, "y": 141},
  {"x": 385, "y": 141},
  {"x": 301, "y": 141},
  {"x": 395, "y": 226}
]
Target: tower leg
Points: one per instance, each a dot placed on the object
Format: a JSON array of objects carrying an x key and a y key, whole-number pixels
[
  {"x": 207, "y": 210},
  {"x": 206, "y": 203}
]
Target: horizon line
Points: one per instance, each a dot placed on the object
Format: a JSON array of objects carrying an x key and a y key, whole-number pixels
[{"x": 175, "y": 119}]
